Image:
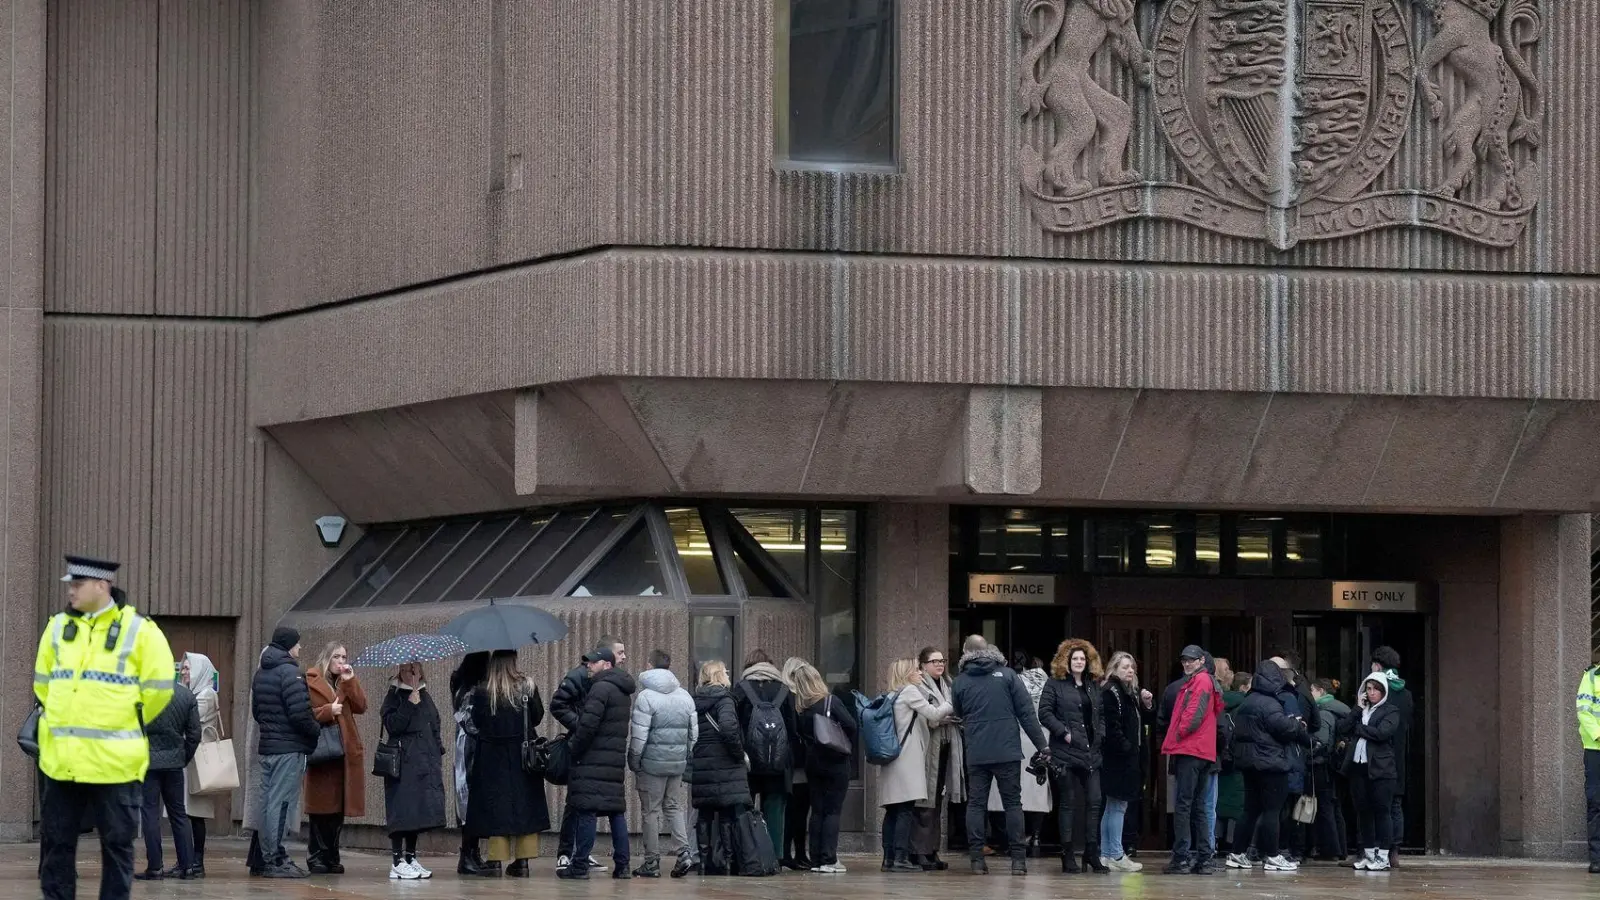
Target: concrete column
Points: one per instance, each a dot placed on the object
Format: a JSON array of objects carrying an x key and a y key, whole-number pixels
[
  {"x": 1543, "y": 650},
  {"x": 906, "y": 603}
]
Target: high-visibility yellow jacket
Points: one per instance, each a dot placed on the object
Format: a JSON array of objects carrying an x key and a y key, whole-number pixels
[
  {"x": 96, "y": 699},
  {"x": 1589, "y": 709}
]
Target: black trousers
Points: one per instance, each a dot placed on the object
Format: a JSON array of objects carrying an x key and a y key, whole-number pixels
[
  {"x": 198, "y": 826},
  {"x": 1591, "y": 794},
  {"x": 1008, "y": 778},
  {"x": 1374, "y": 804},
  {"x": 165, "y": 787},
  {"x": 1330, "y": 824},
  {"x": 795, "y": 821},
  {"x": 322, "y": 838},
  {"x": 114, "y": 810},
  {"x": 897, "y": 830},
  {"x": 1078, "y": 808},
  {"x": 1263, "y": 801},
  {"x": 827, "y": 802},
  {"x": 926, "y": 836}
]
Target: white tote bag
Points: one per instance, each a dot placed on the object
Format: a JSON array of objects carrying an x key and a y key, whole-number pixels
[{"x": 214, "y": 769}]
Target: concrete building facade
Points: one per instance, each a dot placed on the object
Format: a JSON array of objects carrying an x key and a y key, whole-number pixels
[{"x": 1198, "y": 316}]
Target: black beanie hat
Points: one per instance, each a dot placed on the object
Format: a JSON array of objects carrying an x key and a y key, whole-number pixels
[{"x": 285, "y": 637}]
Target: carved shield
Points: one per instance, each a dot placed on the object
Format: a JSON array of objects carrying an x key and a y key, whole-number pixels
[{"x": 1291, "y": 99}]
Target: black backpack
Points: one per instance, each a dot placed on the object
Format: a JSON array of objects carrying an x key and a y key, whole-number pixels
[
  {"x": 1225, "y": 741},
  {"x": 766, "y": 736}
]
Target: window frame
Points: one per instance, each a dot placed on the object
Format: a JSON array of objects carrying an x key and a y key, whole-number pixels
[{"x": 781, "y": 160}]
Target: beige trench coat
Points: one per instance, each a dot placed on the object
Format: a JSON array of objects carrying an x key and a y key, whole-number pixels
[{"x": 906, "y": 779}]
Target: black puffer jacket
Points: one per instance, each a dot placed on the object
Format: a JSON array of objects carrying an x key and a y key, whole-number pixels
[
  {"x": 1382, "y": 733},
  {"x": 718, "y": 763},
  {"x": 175, "y": 734},
  {"x": 600, "y": 744},
  {"x": 566, "y": 704},
  {"x": 281, "y": 706},
  {"x": 1061, "y": 713},
  {"x": 1262, "y": 731}
]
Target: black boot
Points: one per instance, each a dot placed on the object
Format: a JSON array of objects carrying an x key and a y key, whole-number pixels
[
  {"x": 467, "y": 865},
  {"x": 1069, "y": 862},
  {"x": 1091, "y": 861}
]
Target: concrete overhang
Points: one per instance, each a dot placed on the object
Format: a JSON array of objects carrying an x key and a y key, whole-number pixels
[{"x": 636, "y": 437}]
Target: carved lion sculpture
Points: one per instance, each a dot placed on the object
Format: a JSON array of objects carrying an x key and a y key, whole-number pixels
[
  {"x": 1082, "y": 109},
  {"x": 1483, "y": 42}
]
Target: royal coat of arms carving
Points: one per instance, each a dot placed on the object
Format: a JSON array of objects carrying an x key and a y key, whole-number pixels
[{"x": 1284, "y": 114}]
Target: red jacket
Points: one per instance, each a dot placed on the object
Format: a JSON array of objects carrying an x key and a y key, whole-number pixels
[{"x": 1193, "y": 731}]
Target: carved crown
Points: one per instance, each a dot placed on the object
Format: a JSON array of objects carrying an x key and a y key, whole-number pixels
[{"x": 1486, "y": 8}]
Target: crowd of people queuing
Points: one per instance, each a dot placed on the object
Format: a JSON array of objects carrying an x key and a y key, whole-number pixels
[{"x": 1257, "y": 764}]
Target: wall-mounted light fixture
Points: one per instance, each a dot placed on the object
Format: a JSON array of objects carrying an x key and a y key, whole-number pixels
[{"x": 330, "y": 529}]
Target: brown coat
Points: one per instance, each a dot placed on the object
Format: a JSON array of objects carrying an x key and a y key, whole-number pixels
[{"x": 338, "y": 787}]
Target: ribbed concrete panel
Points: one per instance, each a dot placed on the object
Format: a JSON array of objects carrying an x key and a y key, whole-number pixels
[
  {"x": 1079, "y": 325},
  {"x": 730, "y": 315},
  {"x": 1574, "y": 347},
  {"x": 203, "y": 158},
  {"x": 783, "y": 628},
  {"x": 1488, "y": 323},
  {"x": 150, "y": 460},
  {"x": 207, "y": 473},
  {"x": 374, "y": 132},
  {"x": 702, "y": 314},
  {"x": 1570, "y": 175},
  {"x": 100, "y": 182},
  {"x": 529, "y": 326},
  {"x": 927, "y": 321},
  {"x": 1350, "y": 335},
  {"x": 1211, "y": 328},
  {"x": 98, "y": 449}
]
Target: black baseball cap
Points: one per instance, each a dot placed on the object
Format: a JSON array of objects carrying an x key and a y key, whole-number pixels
[
  {"x": 600, "y": 654},
  {"x": 1192, "y": 651}
]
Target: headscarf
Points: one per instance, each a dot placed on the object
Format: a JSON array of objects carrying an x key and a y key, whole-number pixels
[
  {"x": 1382, "y": 681},
  {"x": 202, "y": 674}
]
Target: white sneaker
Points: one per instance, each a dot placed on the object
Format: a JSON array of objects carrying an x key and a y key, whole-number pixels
[
  {"x": 1380, "y": 862},
  {"x": 1279, "y": 864},
  {"x": 1365, "y": 860},
  {"x": 562, "y": 862},
  {"x": 595, "y": 863},
  {"x": 403, "y": 870},
  {"x": 421, "y": 871},
  {"x": 1122, "y": 864},
  {"x": 833, "y": 869},
  {"x": 1237, "y": 861}
]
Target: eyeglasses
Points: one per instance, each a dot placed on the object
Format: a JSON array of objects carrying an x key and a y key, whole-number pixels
[{"x": 936, "y": 662}]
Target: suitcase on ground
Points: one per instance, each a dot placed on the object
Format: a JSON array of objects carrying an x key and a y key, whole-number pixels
[{"x": 753, "y": 854}]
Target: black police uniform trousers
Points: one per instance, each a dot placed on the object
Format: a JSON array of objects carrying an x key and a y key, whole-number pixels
[{"x": 64, "y": 809}]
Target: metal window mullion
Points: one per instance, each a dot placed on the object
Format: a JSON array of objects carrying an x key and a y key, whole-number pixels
[
  {"x": 715, "y": 519},
  {"x": 445, "y": 592},
  {"x": 512, "y": 560},
  {"x": 667, "y": 552},
  {"x": 760, "y": 557},
  {"x": 375, "y": 563},
  {"x": 442, "y": 560},
  {"x": 618, "y": 534}
]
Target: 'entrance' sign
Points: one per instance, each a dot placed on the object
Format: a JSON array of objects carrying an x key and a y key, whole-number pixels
[
  {"x": 1376, "y": 596},
  {"x": 1012, "y": 588}
]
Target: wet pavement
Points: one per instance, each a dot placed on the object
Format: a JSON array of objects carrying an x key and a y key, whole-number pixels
[{"x": 367, "y": 877}]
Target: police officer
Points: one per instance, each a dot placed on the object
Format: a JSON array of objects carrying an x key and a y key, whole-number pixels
[{"x": 102, "y": 672}]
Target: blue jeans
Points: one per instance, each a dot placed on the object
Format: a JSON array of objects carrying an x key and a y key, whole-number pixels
[
  {"x": 586, "y": 825},
  {"x": 1111, "y": 828}
]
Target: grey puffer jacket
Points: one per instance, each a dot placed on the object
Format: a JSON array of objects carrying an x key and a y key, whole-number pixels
[
  {"x": 665, "y": 727},
  {"x": 175, "y": 734}
]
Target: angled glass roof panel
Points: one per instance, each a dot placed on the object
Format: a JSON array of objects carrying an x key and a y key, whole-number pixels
[
  {"x": 338, "y": 579},
  {"x": 631, "y": 569},
  {"x": 537, "y": 552},
  {"x": 782, "y": 535},
  {"x": 757, "y": 576},
  {"x": 472, "y": 546},
  {"x": 576, "y": 550},
  {"x": 422, "y": 562},
  {"x": 372, "y": 578},
  {"x": 505, "y": 549}
]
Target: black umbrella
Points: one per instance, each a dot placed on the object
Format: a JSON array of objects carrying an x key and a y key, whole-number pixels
[{"x": 505, "y": 626}]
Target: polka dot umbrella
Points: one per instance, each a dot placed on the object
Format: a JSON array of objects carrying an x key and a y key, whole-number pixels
[{"x": 397, "y": 651}]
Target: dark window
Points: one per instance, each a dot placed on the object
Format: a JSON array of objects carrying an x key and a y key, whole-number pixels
[
  {"x": 482, "y": 537},
  {"x": 757, "y": 577},
  {"x": 576, "y": 550},
  {"x": 840, "y": 78},
  {"x": 838, "y": 583},
  {"x": 351, "y": 567},
  {"x": 372, "y": 578},
  {"x": 536, "y": 554},
  {"x": 782, "y": 535},
  {"x": 505, "y": 549},
  {"x": 631, "y": 569},
  {"x": 711, "y": 638},
  {"x": 1255, "y": 540}
]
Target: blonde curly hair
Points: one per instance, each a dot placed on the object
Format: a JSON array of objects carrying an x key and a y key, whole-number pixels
[{"x": 1060, "y": 668}]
